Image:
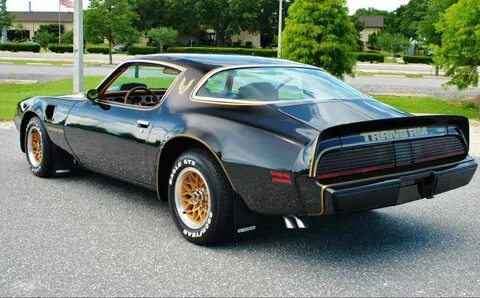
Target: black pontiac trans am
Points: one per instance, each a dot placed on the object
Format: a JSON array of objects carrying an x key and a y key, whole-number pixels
[{"x": 227, "y": 138}]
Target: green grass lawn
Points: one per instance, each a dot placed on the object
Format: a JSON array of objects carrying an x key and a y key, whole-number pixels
[
  {"x": 430, "y": 106},
  {"x": 10, "y": 94},
  {"x": 47, "y": 61}
]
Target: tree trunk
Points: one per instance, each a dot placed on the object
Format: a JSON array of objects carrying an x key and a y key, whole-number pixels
[
  {"x": 161, "y": 48},
  {"x": 220, "y": 34},
  {"x": 110, "y": 51},
  {"x": 437, "y": 71}
]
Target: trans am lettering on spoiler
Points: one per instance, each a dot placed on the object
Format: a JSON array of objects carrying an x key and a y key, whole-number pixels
[{"x": 396, "y": 134}]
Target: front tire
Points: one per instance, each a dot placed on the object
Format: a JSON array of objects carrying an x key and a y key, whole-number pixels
[
  {"x": 201, "y": 198},
  {"x": 38, "y": 148}
]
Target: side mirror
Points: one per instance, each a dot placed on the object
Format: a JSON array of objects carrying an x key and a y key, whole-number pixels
[{"x": 92, "y": 94}]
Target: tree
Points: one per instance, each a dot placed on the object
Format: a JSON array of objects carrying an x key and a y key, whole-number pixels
[
  {"x": 408, "y": 16},
  {"x": 426, "y": 27},
  {"x": 267, "y": 20},
  {"x": 147, "y": 10},
  {"x": 321, "y": 33},
  {"x": 163, "y": 36},
  {"x": 460, "y": 51},
  {"x": 359, "y": 26},
  {"x": 110, "y": 20},
  {"x": 393, "y": 42},
  {"x": 19, "y": 30},
  {"x": 43, "y": 38},
  {"x": 373, "y": 41},
  {"x": 6, "y": 19},
  {"x": 227, "y": 17}
]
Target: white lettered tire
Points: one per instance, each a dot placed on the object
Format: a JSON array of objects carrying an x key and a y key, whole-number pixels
[
  {"x": 201, "y": 198},
  {"x": 38, "y": 148}
]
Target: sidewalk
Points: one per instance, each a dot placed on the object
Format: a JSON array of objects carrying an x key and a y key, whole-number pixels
[{"x": 407, "y": 69}]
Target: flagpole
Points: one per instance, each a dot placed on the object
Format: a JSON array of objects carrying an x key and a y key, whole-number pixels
[
  {"x": 78, "y": 46},
  {"x": 59, "y": 22}
]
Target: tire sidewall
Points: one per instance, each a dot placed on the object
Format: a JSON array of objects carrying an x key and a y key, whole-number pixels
[
  {"x": 42, "y": 168},
  {"x": 206, "y": 231}
]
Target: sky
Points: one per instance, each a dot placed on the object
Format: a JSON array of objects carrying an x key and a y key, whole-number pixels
[{"x": 52, "y": 5}]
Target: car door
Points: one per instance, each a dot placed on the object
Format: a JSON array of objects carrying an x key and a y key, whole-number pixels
[{"x": 110, "y": 136}]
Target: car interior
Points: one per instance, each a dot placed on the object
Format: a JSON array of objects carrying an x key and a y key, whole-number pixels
[{"x": 139, "y": 85}]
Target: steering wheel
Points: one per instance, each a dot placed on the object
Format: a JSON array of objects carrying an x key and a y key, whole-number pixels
[{"x": 131, "y": 91}]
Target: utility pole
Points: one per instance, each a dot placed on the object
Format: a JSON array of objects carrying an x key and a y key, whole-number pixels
[
  {"x": 59, "y": 22},
  {"x": 3, "y": 31},
  {"x": 78, "y": 47},
  {"x": 280, "y": 24}
]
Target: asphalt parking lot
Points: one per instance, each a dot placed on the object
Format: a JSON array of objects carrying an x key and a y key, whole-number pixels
[{"x": 89, "y": 235}]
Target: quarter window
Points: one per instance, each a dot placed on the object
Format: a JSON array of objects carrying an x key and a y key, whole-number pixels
[{"x": 270, "y": 84}]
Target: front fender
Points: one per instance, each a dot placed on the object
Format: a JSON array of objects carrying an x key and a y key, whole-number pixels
[{"x": 52, "y": 111}]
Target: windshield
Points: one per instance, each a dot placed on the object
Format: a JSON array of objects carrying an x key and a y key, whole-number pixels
[{"x": 271, "y": 84}]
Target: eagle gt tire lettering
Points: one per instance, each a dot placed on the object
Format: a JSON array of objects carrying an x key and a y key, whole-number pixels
[
  {"x": 38, "y": 148},
  {"x": 201, "y": 198}
]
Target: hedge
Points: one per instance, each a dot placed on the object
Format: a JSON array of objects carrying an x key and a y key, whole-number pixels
[
  {"x": 97, "y": 49},
  {"x": 218, "y": 50},
  {"x": 369, "y": 57},
  {"x": 20, "y": 47},
  {"x": 60, "y": 48},
  {"x": 418, "y": 59},
  {"x": 139, "y": 50}
]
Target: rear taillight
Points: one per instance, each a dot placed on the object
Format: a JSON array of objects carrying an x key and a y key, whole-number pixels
[
  {"x": 395, "y": 155},
  {"x": 355, "y": 171}
]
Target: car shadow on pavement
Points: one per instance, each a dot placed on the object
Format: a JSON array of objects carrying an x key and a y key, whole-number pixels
[{"x": 372, "y": 236}]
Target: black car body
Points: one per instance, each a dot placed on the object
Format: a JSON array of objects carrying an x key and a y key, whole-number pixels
[{"x": 291, "y": 158}]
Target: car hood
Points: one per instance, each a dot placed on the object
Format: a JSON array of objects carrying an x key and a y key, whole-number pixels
[
  {"x": 324, "y": 114},
  {"x": 76, "y": 96}
]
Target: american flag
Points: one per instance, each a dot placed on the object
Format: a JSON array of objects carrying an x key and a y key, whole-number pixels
[{"x": 66, "y": 3}]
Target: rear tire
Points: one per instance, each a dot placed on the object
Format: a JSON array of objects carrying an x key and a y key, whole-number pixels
[
  {"x": 38, "y": 148},
  {"x": 201, "y": 198}
]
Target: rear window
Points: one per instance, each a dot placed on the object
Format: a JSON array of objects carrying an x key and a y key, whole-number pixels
[{"x": 272, "y": 84}]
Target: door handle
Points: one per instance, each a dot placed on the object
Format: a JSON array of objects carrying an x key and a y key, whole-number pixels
[{"x": 143, "y": 123}]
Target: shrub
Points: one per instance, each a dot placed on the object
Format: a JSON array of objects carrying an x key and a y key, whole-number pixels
[
  {"x": 418, "y": 59},
  {"x": 218, "y": 50},
  {"x": 142, "y": 50},
  {"x": 60, "y": 48},
  {"x": 67, "y": 37},
  {"x": 97, "y": 49},
  {"x": 370, "y": 57},
  {"x": 20, "y": 47},
  {"x": 43, "y": 38}
]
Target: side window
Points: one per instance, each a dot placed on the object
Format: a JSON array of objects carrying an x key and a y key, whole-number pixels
[
  {"x": 149, "y": 76},
  {"x": 218, "y": 86}
]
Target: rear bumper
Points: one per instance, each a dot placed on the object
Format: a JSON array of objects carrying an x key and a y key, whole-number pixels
[{"x": 386, "y": 191}]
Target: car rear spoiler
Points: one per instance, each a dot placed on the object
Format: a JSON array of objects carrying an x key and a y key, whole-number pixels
[{"x": 401, "y": 122}]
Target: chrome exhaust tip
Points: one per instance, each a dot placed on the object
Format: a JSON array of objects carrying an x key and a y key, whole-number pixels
[{"x": 293, "y": 222}]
